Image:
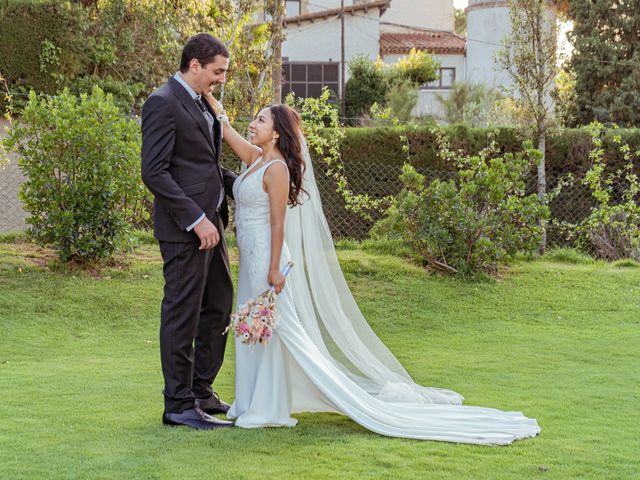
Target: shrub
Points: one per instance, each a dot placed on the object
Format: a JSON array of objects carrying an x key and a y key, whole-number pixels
[
  {"x": 612, "y": 229},
  {"x": 402, "y": 99},
  {"x": 127, "y": 47},
  {"x": 372, "y": 159},
  {"x": 365, "y": 86},
  {"x": 373, "y": 82},
  {"x": 81, "y": 159},
  {"x": 418, "y": 68},
  {"x": 124, "y": 94},
  {"x": 564, "y": 97},
  {"x": 475, "y": 105},
  {"x": 471, "y": 223}
]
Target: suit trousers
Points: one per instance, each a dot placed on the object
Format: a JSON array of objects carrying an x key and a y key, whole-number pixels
[{"x": 196, "y": 308}]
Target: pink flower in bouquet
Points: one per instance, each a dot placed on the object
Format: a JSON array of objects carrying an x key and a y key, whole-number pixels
[{"x": 256, "y": 320}]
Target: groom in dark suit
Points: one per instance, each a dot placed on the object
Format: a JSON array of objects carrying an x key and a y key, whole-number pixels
[{"x": 181, "y": 143}]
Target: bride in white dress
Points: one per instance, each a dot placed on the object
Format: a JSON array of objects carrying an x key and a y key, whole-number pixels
[{"x": 323, "y": 356}]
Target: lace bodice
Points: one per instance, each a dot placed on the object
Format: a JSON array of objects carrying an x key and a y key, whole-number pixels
[
  {"x": 252, "y": 202},
  {"x": 253, "y": 231}
]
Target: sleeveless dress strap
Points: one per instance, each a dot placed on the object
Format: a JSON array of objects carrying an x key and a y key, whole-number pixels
[{"x": 268, "y": 164}]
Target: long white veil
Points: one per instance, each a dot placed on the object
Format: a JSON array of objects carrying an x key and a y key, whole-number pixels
[{"x": 330, "y": 314}]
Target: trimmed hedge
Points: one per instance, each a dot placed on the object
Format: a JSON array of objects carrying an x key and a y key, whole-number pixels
[
  {"x": 126, "y": 47},
  {"x": 373, "y": 158},
  {"x": 26, "y": 25},
  {"x": 566, "y": 152}
]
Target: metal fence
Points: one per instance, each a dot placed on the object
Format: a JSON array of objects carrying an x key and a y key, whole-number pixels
[{"x": 573, "y": 203}]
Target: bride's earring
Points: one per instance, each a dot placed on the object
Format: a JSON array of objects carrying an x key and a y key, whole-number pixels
[{"x": 273, "y": 140}]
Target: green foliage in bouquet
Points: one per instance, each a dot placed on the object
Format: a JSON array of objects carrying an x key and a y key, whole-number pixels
[
  {"x": 81, "y": 159},
  {"x": 470, "y": 223}
]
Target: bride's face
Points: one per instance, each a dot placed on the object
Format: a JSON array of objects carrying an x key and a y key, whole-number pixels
[{"x": 261, "y": 129}]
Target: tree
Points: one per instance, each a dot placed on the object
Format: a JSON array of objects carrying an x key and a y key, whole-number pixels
[
  {"x": 277, "y": 35},
  {"x": 130, "y": 47},
  {"x": 529, "y": 56},
  {"x": 460, "y": 21},
  {"x": 475, "y": 105},
  {"x": 606, "y": 60},
  {"x": 375, "y": 82},
  {"x": 365, "y": 86}
]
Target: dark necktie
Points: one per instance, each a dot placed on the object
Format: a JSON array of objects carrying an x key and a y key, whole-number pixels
[
  {"x": 201, "y": 104},
  {"x": 207, "y": 115},
  {"x": 209, "y": 118}
]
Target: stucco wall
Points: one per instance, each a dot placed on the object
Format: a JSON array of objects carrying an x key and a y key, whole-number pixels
[
  {"x": 436, "y": 14},
  {"x": 320, "y": 41},
  {"x": 486, "y": 28}
]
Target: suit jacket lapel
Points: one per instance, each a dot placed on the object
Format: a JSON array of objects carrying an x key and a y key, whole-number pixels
[
  {"x": 193, "y": 109},
  {"x": 217, "y": 128}
]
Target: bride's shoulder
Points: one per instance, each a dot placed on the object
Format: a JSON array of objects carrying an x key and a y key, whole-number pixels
[
  {"x": 278, "y": 166},
  {"x": 276, "y": 174}
]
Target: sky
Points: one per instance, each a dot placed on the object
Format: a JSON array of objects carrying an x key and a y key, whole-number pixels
[{"x": 460, "y": 3}]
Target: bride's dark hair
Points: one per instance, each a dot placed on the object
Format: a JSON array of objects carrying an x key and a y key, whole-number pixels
[{"x": 286, "y": 121}]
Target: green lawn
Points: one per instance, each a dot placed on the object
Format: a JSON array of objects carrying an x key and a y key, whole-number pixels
[{"x": 80, "y": 379}]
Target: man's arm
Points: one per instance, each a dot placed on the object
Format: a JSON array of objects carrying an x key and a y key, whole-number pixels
[
  {"x": 228, "y": 177},
  {"x": 158, "y": 140}
]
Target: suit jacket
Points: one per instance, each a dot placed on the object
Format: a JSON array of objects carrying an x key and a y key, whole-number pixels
[{"x": 180, "y": 163}]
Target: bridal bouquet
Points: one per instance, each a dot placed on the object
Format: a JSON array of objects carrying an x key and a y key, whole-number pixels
[{"x": 256, "y": 320}]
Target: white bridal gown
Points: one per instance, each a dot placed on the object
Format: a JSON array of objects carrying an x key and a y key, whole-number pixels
[{"x": 323, "y": 357}]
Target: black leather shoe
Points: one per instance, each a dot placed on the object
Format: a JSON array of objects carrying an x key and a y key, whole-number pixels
[
  {"x": 195, "y": 418},
  {"x": 212, "y": 405}
]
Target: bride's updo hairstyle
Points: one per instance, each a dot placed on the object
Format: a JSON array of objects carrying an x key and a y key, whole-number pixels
[{"x": 286, "y": 121}]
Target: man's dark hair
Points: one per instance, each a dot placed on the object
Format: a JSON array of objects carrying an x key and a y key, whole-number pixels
[{"x": 204, "y": 48}]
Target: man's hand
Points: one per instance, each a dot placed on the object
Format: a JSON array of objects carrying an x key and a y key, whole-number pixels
[{"x": 207, "y": 233}]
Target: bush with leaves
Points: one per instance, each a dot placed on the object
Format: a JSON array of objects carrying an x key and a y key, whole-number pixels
[
  {"x": 81, "y": 159},
  {"x": 392, "y": 85},
  {"x": 418, "y": 68},
  {"x": 470, "y": 223},
  {"x": 128, "y": 47},
  {"x": 564, "y": 97},
  {"x": 365, "y": 86},
  {"x": 612, "y": 229},
  {"x": 401, "y": 100},
  {"x": 476, "y": 105}
]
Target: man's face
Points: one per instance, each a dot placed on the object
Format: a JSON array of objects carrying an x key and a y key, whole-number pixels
[{"x": 212, "y": 74}]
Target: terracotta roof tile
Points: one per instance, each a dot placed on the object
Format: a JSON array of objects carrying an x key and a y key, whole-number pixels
[{"x": 432, "y": 42}]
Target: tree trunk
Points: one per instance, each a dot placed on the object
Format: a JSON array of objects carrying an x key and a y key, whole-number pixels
[
  {"x": 276, "y": 76},
  {"x": 542, "y": 181}
]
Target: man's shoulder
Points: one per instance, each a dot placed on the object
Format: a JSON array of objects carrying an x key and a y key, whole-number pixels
[
  {"x": 164, "y": 91},
  {"x": 163, "y": 97}
]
